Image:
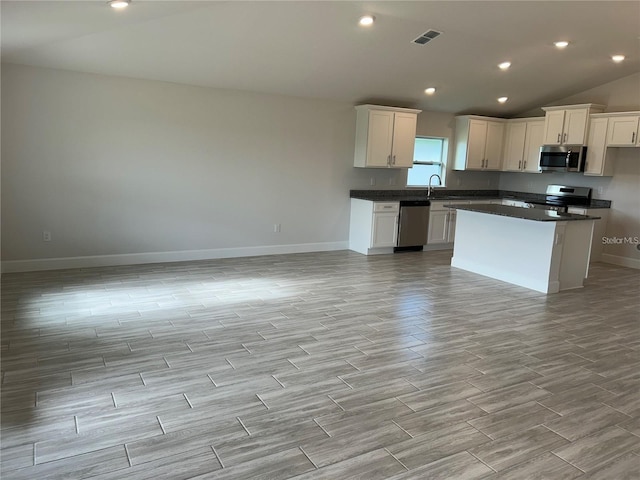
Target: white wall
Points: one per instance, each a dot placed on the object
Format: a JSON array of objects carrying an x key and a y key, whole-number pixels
[
  {"x": 114, "y": 165},
  {"x": 623, "y": 188},
  {"x": 122, "y": 167},
  {"x": 621, "y": 95}
]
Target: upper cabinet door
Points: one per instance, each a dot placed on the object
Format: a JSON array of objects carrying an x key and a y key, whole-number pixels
[
  {"x": 380, "y": 138},
  {"x": 568, "y": 125},
  {"x": 385, "y": 136},
  {"x": 514, "y": 146},
  {"x": 553, "y": 123},
  {"x": 404, "y": 139},
  {"x": 535, "y": 134},
  {"x": 493, "y": 147},
  {"x": 623, "y": 131},
  {"x": 597, "y": 151},
  {"x": 575, "y": 127},
  {"x": 476, "y": 144}
]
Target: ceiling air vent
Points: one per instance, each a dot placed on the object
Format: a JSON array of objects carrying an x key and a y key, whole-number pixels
[{"x": 426, "y": 37}]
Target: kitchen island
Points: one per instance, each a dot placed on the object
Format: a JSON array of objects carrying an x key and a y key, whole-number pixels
[{"x": 543, "y": 250}]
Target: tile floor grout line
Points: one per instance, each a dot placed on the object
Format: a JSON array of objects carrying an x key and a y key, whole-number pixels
[
  {"x": 308, "y": 457},
  {"x": 386, "y": 449},
  {"x": 262, "y": 401},
  {"x": 484, "y": 463},
  {"x": 567, "y": 462},
  {"x": 291, "y": 362},
  {"x": 164, "y": 432},
  {"x": 217, "y": 456},
  {"x": 187, "y": 399},
  {"x": 126, "y": 451},
  {"x": 243, "y": 426},
  {"x": 334, "y": 401},
  {"x": 75, "y": 421},
  {"x": 276, "y": 379},
  {"x": 405, "y": 431}
]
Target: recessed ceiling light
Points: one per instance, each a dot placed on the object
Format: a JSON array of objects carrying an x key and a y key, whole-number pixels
[
  {"x": 504, "y": 65},
  {"x": 617, "y": 58},
  {"x": 367, "y": 20},
  {"x": 561, "y": 44},
  {"x": 119, "y": 3},
  {"x": 430, "y": 90},
  {"x": 503, "y": 99}
]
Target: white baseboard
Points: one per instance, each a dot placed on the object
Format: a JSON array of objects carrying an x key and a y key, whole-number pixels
[
  {"x": 622, "y": 261},
  {"x": 164, "y": 257}
]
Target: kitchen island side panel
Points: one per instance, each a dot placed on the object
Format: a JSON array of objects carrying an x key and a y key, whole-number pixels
[{"x": 514, "y": 250}]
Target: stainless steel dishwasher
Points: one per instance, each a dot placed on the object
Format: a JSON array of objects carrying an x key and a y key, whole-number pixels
[{"x": 413, "y": 225}]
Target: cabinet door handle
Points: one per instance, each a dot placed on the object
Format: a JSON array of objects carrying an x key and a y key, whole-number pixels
[
  {"x": 394, "y": 159},
  {"x": 633, "y": 137},
  {"x": 564, "y": 138},
  {"x": 388, "y": 159},
  {"x": 524, "y": 167},
  {"x": 519, "y": 164},
  {"x": 559, "y": 137}
]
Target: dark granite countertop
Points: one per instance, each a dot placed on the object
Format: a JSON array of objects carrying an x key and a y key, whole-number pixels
[
  {"x": 535, "y": 214},
  {"x": 445, "y": 194}
]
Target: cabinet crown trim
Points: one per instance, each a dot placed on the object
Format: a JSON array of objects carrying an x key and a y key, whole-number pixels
[
  {"x": 571, "y": 107},
  {"x": 615, "y": 114},
  {"x": 480, "y": 117},
  {"x": 387, "y": 108}
]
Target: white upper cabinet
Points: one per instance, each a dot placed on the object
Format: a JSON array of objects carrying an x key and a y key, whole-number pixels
[
  {"x": 522, "y": 145},
  {"x": 623, "y": 131},
  {"x": 479, "y": 143},
  {"x": 567, "y": 125},
  {"x": 385, "y": 136},
  {"x": 599, "y": 158}
]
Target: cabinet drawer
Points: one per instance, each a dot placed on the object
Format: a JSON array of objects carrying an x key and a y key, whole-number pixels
[{"x": 386, "y": 206}]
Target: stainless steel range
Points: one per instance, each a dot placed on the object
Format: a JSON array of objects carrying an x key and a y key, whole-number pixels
[{"x": 560, "y": 197}]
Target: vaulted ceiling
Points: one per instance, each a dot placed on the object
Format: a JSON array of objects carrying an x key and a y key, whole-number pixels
[{"x": 317, "y": 49}]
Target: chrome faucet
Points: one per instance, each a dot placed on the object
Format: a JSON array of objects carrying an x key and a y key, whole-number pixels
[{"x": 439, "y": 183}]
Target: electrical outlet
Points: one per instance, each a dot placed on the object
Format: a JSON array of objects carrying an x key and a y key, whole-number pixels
[
  {"x": 372, "y": 181},
  {"x": 458, "y": 182},
  {"x": 276, "y": 228},
  {"x": 46, "y": 236},
  {"x": 600, "y": 190},
  {"x": 392, "y": 181}
]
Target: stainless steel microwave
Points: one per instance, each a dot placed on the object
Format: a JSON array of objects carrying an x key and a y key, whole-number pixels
[{"x": 562, "y": 158}]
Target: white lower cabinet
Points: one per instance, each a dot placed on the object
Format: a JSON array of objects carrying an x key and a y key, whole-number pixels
[
  {"x": 385, "y": 230},
  {"x": 442, "y": 223},
  {"x": 438, "y": 224},
  {"x": 373, "y": 226}
]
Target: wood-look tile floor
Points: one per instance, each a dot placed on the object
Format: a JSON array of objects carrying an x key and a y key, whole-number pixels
[{"x": 326, "y": 365}]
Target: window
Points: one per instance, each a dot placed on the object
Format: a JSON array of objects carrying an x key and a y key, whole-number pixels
[{"x": 428, "y": 158}]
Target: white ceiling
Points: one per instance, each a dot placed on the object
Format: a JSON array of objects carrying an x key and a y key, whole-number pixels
[{"x": 316, "y": 49}]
